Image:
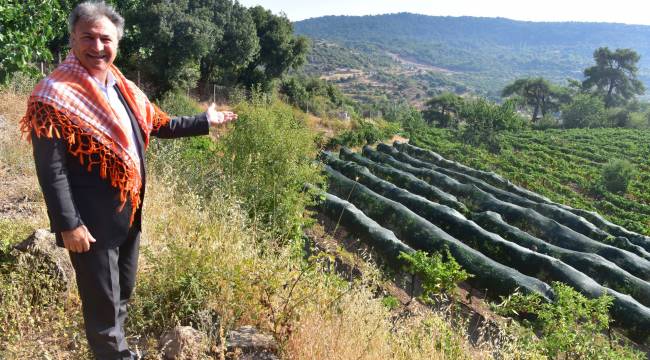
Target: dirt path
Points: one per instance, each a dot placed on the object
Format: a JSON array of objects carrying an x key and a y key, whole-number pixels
[{"x": 419, "y": 66}]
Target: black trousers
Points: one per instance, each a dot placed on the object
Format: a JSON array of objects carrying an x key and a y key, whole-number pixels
[{"x": 105, "y": 279}]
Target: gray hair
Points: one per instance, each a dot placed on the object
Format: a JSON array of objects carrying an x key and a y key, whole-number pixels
[{"x": 92, "y": 11}]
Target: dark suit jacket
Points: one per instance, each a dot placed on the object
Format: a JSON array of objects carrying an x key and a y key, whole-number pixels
[{"x": 75, "y": 196}]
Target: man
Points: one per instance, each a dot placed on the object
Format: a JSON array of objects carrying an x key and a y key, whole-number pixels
[{"x": 89, "y": 128}]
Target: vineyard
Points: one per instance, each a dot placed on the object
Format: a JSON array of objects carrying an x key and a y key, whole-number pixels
[
  {"x": 403, "y": 198},
  {"x": 565, "y": 166}
]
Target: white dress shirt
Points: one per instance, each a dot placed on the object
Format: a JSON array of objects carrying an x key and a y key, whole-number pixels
[{"x": 122, "y": 115}]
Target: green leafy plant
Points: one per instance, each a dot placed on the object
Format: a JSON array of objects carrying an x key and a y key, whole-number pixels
[
  {"x": 390, "y": 302},
  {"x": 267, "y": 158},
  {"x": 365, "y": 132},
  {"x": 25, "y": 29},
  {"x": 439, "y": 273},
  {"x": 616, "y": 175},
  {"x": 572, "y": 327}
]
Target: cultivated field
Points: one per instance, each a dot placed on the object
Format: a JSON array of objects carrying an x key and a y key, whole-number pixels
[{"x": 510, "y": 238}]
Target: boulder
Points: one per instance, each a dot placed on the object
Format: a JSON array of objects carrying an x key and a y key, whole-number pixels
[
  {"x": 248, "y": 343},
  {"x": 39, "y": 251},
  {"x": 183, "y": 343}
]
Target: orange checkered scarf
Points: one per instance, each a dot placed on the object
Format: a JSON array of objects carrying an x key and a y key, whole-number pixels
[{"x": 69, "y": 105}]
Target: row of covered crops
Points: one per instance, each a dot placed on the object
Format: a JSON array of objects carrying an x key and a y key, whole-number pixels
[{"x": 402, "y": 198}]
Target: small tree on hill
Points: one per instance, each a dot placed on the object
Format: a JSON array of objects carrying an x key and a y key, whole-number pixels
[
  {"x": 442, "y": 109},
  {"x": 484, "y": 119},
  {"x": 614, "y": 77},
  {"x": 537, "y": 93}
]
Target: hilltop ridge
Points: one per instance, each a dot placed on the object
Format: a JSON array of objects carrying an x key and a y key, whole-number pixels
[{"x": 483, "y": 53}]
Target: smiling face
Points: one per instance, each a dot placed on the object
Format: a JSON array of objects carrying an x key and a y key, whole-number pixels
[{"x": 94, "y": 43}]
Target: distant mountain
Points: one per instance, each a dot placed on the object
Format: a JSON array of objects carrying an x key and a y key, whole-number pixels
[{"x": 482, "y": 54}]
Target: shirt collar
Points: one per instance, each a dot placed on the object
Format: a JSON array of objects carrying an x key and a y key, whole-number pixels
[{"x": 110, "y": 81}]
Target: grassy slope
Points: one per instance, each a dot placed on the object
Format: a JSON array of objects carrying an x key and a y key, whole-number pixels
[
  {"x": 564, "y": 165},
  {"x": 214, "y": 264}
]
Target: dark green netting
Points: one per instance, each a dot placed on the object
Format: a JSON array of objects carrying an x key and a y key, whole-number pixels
[{"x": 421, "y": 234}]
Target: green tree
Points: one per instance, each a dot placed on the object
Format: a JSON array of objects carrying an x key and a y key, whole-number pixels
[
  {"x": 26, "y": 26},
  {"x": 177, "y": 44},
  {"x": 484, "y": 119},
  {"x": 170, "y": 40},
  {"x": 614, "y": 77},
  {"x": 239, "y": 45},
  {"x": 442, "y": 109},
  {"x": 537, "y": 93},
  {"x": 584, "y": 111},
  {"x": 279, "y": 51}
]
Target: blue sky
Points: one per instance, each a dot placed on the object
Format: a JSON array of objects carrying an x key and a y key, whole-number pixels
[{"x": 621, "y": 11}]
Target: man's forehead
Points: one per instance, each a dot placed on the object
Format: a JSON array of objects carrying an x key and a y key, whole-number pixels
[{"x": 101, "y": 26}]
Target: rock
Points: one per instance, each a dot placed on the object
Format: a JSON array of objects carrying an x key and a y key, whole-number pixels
[
  {"x": 183, "y": 342},
  {"x": 39, "y": 251},
  {"x": 251, "y": 344}
]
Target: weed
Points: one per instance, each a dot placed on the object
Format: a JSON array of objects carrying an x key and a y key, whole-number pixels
[
  {"x": 390, "y": 302},
  {"x": 572, "y": 327},
  {"x": 439, "y": 275}
]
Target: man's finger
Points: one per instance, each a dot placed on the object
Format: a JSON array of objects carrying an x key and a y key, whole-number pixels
[
  {"x": 73, "y": 247},
  {"x": 86, "y": 245}
]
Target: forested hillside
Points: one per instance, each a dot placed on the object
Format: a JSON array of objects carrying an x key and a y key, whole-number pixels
[{"x": 482, "y": 54}]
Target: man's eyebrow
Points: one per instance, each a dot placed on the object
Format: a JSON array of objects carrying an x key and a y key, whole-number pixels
[{"x": 95, "y": 33}]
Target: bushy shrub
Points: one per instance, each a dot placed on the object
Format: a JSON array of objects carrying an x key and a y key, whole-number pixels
[
  {"x": 365, "y": 132},
  {"x": 547, "y": 122},
  {"x": 570, "y": 328},
  {"x": 483, "y": 119},
  {"x": 618, "y": 117},
  {"x": 638, "y": 120},
  {"x": 313, "y": 95},
  {"x": 584, "y": 111},
  {"x": 177, "y": 104},
  {"x": 438, "y": 274},
  {"x": 616, "y": 175},
  {"x": 626, "y": 117},
  {"x": 267, "y": 158},
  {"x": 412, "y": 121}
]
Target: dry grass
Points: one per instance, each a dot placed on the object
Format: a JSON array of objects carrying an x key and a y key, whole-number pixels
[
  {"x": 360, "y": 327},
  {"x": 35, "y": 322},
  {"x": 19, "y": 192}
]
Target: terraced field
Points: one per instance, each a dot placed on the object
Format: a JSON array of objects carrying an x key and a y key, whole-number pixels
[{"x": 403, "y": 198}]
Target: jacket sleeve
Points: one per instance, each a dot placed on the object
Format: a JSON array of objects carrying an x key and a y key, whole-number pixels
[
  {"x": 183, "y": 126},
  {"x": 50, "y": 156}
]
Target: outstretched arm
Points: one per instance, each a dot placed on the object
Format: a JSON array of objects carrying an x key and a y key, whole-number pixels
[{"x": 183, "y": 126}]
